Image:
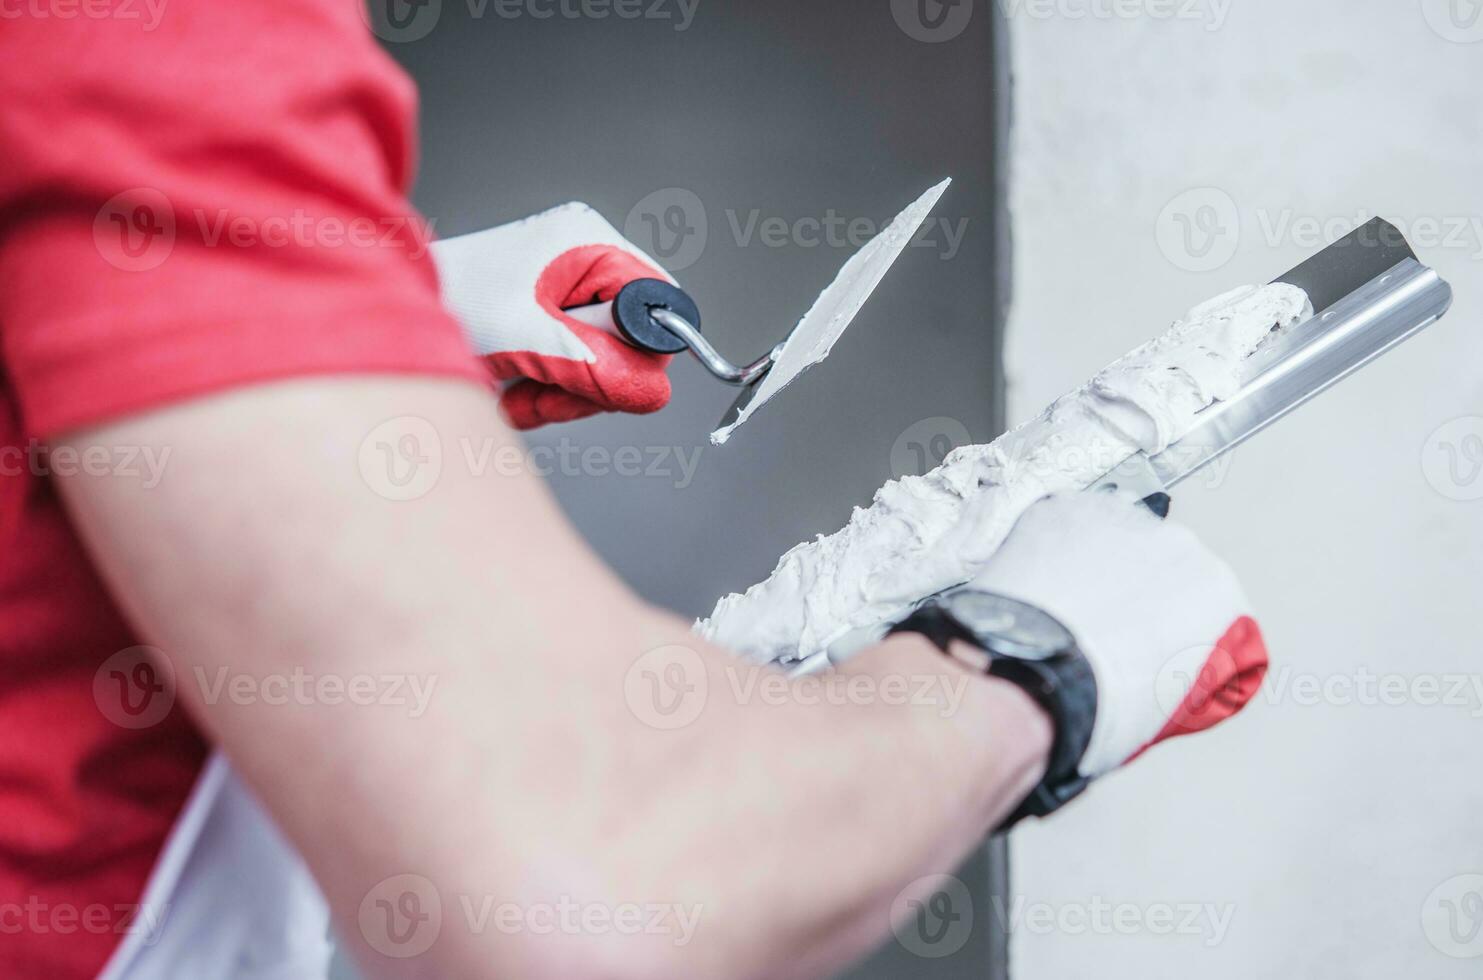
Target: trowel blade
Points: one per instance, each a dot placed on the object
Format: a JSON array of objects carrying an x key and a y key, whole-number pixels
[
  {"x": 834, "y": 310},
  {"x": 1368, "y": 251},
  {"x": 1369, "y": 293}
]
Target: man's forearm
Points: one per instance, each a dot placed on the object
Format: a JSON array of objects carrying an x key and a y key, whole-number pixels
[{"x": 784, "y": 814}]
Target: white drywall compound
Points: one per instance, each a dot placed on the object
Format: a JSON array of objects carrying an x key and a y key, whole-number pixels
[
  {"x": 1159, "y": 153},
  {"x": 927, "y": 533}
]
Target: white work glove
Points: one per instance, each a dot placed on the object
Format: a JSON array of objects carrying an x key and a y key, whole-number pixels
[
  {"x": 508, "y": 287},
  {"x": 1160, "y": 619}
]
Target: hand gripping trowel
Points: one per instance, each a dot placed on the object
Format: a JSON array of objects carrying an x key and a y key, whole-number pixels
[
  {"x": 1369, "y": 292},
  {"x": 653, "y": 315}
]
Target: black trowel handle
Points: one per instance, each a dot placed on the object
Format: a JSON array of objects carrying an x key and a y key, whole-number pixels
[
  {"x": 631, "y": 315},
  {"x": 660, "y": 318}
]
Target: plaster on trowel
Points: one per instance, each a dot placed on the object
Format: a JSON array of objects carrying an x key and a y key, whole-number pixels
[
  {"x": 1369, "y": 293},
  {"x": 655, "y": 316},
  {"x": 1219, "y": 375}
]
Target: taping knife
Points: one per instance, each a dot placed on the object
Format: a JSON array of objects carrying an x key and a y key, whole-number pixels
[
  {"x": 653, "y": 315},
  {"x": 1369, "y": 293}
]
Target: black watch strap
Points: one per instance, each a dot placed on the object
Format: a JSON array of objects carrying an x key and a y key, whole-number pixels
[{"x": 1062, "y": 684}]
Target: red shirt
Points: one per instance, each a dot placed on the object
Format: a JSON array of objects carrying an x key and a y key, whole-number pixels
[{"x": 193, "y": 196}]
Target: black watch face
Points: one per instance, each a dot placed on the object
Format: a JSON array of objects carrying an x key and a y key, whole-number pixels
[{"x": 1008, "y": 627}]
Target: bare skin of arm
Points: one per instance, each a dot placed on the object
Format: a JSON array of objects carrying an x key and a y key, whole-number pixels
[{"x": 789, "y": 824}]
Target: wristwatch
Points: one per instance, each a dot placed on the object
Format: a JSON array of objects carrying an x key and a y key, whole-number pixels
[{"x": 1028, "y": 647}]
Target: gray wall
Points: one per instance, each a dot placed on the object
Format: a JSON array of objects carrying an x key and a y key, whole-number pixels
[{"x": 773, "y": 108}]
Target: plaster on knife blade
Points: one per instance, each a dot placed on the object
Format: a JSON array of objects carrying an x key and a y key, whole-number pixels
[{"x": 1369, "y": 293}]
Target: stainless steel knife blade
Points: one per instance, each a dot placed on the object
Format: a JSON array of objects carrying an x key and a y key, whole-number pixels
[{"x": 1369, "y": 292}]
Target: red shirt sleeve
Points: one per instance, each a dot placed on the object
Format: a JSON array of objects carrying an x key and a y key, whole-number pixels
[{"x": 200, "y": 194}]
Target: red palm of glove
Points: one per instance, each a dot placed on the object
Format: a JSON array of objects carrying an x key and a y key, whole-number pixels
[
  {"x": 510, "y": 288},
  {"x": 559, "y": 389}
]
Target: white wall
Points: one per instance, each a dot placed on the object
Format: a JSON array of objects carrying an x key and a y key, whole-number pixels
[{"x": 1323, "y": 829}]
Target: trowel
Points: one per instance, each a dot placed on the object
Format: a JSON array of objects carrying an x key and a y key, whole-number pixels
[
  {"x": 656, "y": 316},
  {"x": 1369, "y": 292}
]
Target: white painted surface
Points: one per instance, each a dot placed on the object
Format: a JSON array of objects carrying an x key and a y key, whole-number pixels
[{"x": 1317, "y": 833}]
